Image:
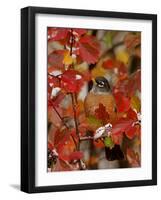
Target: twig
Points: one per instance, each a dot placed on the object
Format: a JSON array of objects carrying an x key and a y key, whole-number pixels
[
  {"x": 74, "y": 101},
  {"x": 71, "y": 46},
  {"x": 73, "y": 96},
  {"x": 72, "y": 42},
  {"x": 59, "y": 116},
  {"x": 65, "y": 125},
  {"x": 86, "y": 138},
  {"x": 75, "y": 117}
]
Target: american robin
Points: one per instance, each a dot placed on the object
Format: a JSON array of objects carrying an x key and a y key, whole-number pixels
[{"x": 99, "y": 94}]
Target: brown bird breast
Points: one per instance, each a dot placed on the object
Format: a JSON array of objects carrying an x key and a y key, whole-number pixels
[{"x": 92, "y": 101}]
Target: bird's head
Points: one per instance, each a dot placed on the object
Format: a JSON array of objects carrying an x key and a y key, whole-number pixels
[{"x": 101, "y": 84}]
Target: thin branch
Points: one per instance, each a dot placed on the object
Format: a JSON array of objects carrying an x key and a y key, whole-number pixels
[
  {"x": 86, "y": 138},
  {"x": 75, "y": 115},
  {"x": 73, "y": 96},
  {"x": 59, "y": 116},
  {"x": 64, "y": 124},
  {"x": 71, "y": 46},
  {"x": 72, "y": 42},
  {"x": 74, "y": 101}
]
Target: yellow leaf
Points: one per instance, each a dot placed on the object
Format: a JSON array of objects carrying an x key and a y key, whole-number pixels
[
  {"x": 83, "y": 67},
  {"x": 98, "y": 71},
  {"x": 67, "y": 58},
  {"x": 122, "y": 56},
  {"x": 135, "y": 103}
]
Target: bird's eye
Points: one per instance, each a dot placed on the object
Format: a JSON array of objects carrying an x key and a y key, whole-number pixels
[{"x": 101, "y": 84}]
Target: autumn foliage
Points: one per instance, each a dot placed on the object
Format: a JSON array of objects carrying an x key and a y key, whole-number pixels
[{"x": 78, "y": 140}]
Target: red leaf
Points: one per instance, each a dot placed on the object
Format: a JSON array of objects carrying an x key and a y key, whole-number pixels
[
  {"x": 57, "y": 100},
  {"x": 108, "y": 64},
  {"x": 53, "y": 81},
  {"x": 50, "y": 146},
  {"x": 88, "y": 54},
  {"x": 72, "y": 81},
  {"x": 131, "y": 40},
  {"x": 88, "y": 46},
  {"x": 91, "y": 40},
  {"x": 79, "y": 31},
  {"x": 122, "y": 102},
  {"x": 87, "y": 76},
  {"x": 77, "y": 155},
  {"x": 131, "y": 132},
  {"x": 56, "y": 59},
  {"x": 123, "y": 71},
  {"x": 101, "y": 113},
  {"x": 88, "y": 49},
  {"x": 117, "y": 137},
  {"x": 134, "y": 83},
  {"x": 122, "y": 68},
  {"x": 55, "y": 34},
  {"x": 60, "y": 139},
  {"x": 122, "y": 125},
  {"x": 129, "y": 85},
  {"x": 50, "y": 103},
  {"x": 119, "y": 128},
  {"x": 131, "y": 114},
  {"x": 52, "y": 69}
]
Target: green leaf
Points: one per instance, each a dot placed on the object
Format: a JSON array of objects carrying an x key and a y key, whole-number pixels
[
  {"x": 108, "y": 39},
  {"x": 108, "y": 142},
  {"x": 94, "y": 121}
]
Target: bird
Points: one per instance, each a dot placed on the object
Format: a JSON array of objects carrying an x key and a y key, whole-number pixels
[{"x": 100, "y": 93}]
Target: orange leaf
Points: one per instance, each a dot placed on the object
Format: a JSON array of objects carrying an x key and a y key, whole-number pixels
[{"x": 108, "y": 64}]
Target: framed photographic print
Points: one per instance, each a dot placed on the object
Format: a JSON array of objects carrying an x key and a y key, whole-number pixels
[{"x": 88, "y": 99}]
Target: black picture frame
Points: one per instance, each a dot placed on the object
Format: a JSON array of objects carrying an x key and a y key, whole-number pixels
[{"x": 28, "y": 98}]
